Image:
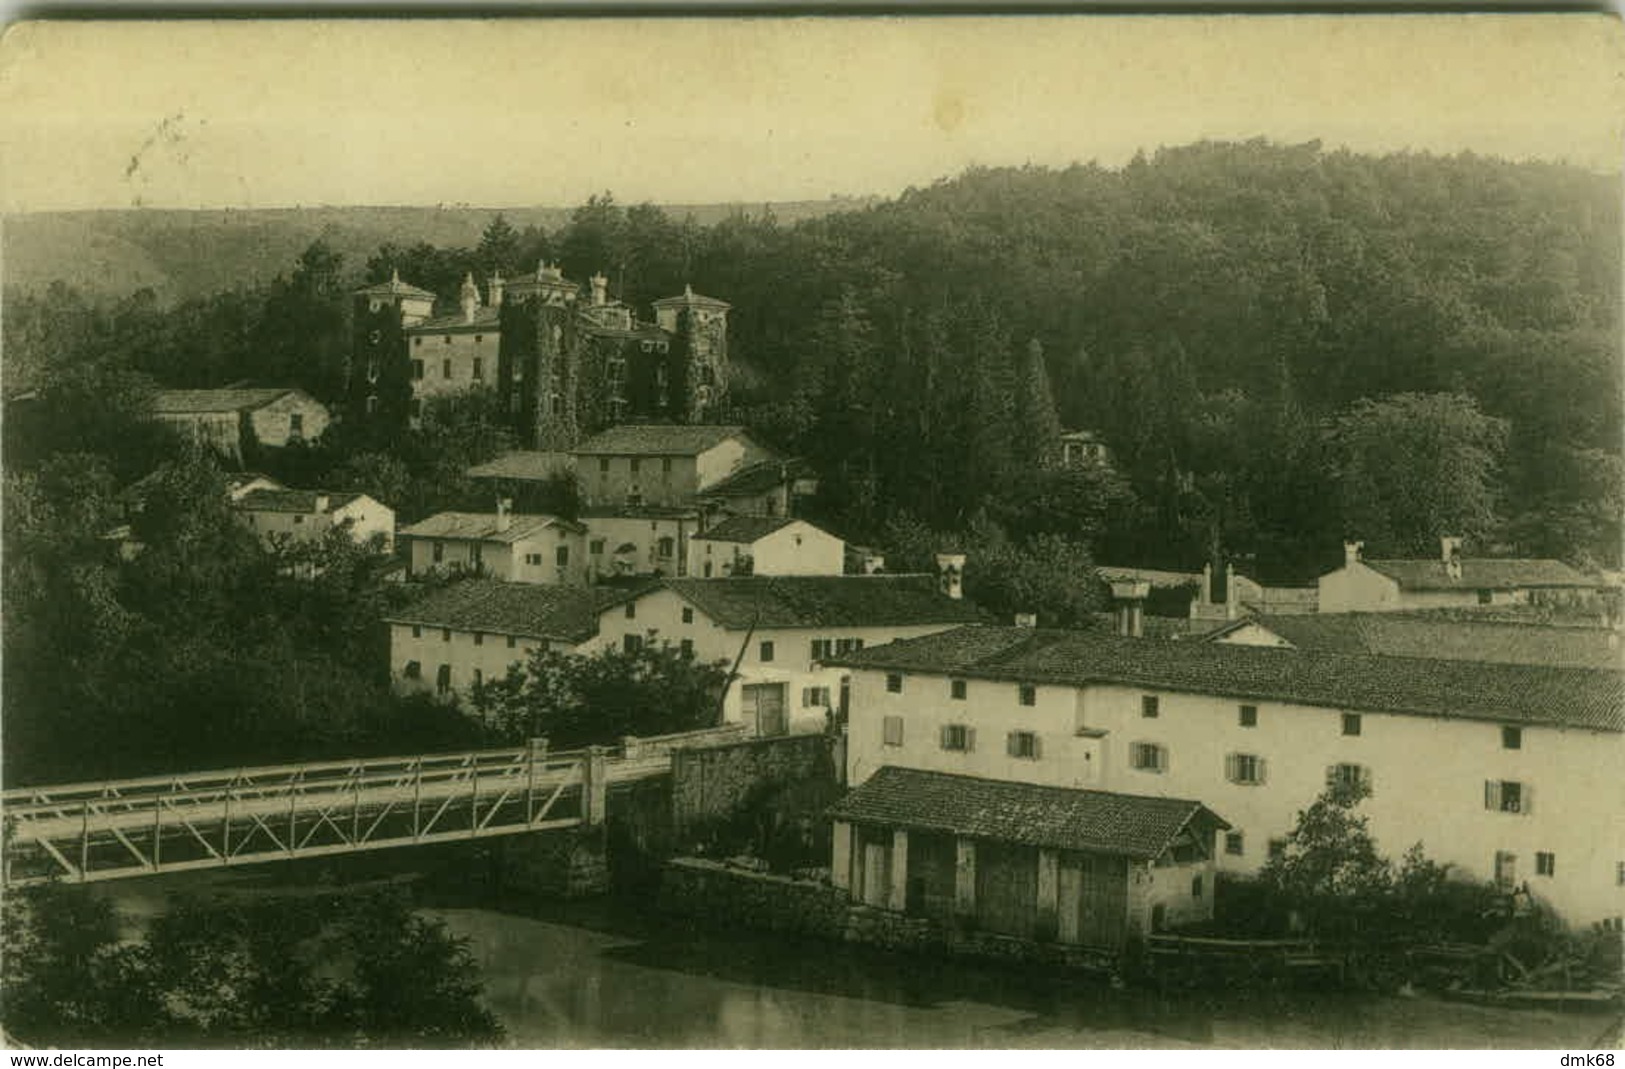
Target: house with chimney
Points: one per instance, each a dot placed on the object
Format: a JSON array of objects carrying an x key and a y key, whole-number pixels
[
  {"x": 1496, "y": 768},
  {"x": 765, "y": 545},
  {"x": 515, "y": 548},
  {"x": 777, "y": 631},
  {"x": 280, "y": 516},
  {"x": 1449, "y": 581}
]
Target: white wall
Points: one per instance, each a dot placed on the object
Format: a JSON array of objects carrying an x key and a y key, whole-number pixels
[
  {"x": 462, "y": 349},
  {"x": 611, "y": 480},
  {"x": 367, "y": 518},
  {"x": 272, "y": 422},
  {"x": 508, "y": 561},
  {"x": 1357, "y": 588},
  {"x": 642, "y": 532},
  {"x": 1428, "y": 773},
  {"x": 1253, "y": 634},
  {"x": 430, "y": 647}
]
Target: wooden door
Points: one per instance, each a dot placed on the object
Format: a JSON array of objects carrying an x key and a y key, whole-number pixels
[
  {"x": 1102, "y": 900},
  {"x": 876, "y": 874},
  {"x": 1006, "y": 888},
  {"x": 765, "y": 703}
]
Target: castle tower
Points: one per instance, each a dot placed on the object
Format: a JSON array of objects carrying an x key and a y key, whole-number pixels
[
  {"x": 537, "y": 362},
  {"x": 468, "y": 298},
  {"x": 701, "y": 326},
  {"x": 380, "y": 380}
]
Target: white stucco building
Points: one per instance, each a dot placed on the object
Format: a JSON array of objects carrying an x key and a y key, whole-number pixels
[
  {"x": 283, "y": 515},
  {"x": 523, "y": 548},
  {"x": 231, "y": 419},
  {"x": 780, "y": 630},
  {"x": 1507, "y": 771},
  {"x": 765, "y": 545},
  {"x": 662, "y": 464},
  {"x": 1450, "y": 581}
]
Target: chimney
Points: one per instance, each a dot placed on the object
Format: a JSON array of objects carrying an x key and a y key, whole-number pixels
[
  {"x": 1027, "y": 619},
  {"x": 600, "y": 290},
  {"x": 469, "y": 298},
  {"x": 1450, "y": 553},
  {"x": 1129, "y": 596},
  {"x": 504, "y": 516},
  {"x": 1207, "y": 584},
  {"x": 494, "y": 290},
  {"x": 1351, "y": 553},
  {"x": 1232, "y": 601},
  {"x": 951, "y": 574}
]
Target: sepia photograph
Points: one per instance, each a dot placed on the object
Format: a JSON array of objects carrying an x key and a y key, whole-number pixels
[{"x": 836, "y": 532}]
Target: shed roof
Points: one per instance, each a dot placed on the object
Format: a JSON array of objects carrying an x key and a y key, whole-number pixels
[
  {"x": 283, "y": 500},
  {"x": 1063, "y": 818},
  {"x": 745, "y": 529},
  {"x": 657, "y": 439},
  {"x": 556, "y": 613},
  {"x": 758, "y": 478},
  {"x": 1482, "y": 573},
  {"x": 486, "y": 526},
  {"x": 824, "y": 601},
  {"x": 522, "y": 464},
  {"x": 1532, "y": 694}
]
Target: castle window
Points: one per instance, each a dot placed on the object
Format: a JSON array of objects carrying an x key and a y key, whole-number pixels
[
  {"x": 479, "y": 370},
  {"x": 445, "y": 369},
  {"x": 417, "y": 369},
  {"x": 666, "y": 546},
  {"x": 372, "y": 370},
  {"x": 1507, "y": 796},
  {"x": 372, "y": 404},
  {"x": 513, "y": 641}
]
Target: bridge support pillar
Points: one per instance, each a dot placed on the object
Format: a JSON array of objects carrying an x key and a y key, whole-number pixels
[
  {"x": 562, "y": 863},
  {"x": 594, "y": 787}
]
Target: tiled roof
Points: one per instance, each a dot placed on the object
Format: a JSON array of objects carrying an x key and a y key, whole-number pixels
[
  {"x": 639, "y": 512},
  {"x": 264, "y": 500},
  {"x": 1392, "y": 634},
  {"x": 483, "y": 526},
  {"x": 523, "y": 464},
  {"x": 690, "y": 297},
  {"x": 758, "y": 478},
  {"x": 178, "y": 402},
  {"x": 745, "y": 529},
  {"x": 1482, "y": 573},
  {"x": 824, "y": 601},
  {"x": 485, "y": 319},
  {"x": 1534, "y": 694},
  {"x": 1060, "y": 818},
  {"x": 558, "y": 613},
  {"x": 394, "y": 288},
  {"x": 656, "y": 439},
  {"x": 1154, "y": 576}
]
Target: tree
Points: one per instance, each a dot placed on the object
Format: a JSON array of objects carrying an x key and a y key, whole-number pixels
[
  {"x": 304, "y": 336},
  {"x": 576, "y": 700},
  {"x": 499, "y": 246},
  {"x": 1330, "y": 870},
  {"x": 1414, "y": 467},
  {"x": 1036, "y": 423}
]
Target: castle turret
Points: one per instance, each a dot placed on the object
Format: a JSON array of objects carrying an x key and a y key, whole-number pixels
[{"x": 468, "y": 298}]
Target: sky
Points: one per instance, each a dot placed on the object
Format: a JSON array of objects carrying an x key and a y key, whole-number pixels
[{"x": 547, "y": 112}]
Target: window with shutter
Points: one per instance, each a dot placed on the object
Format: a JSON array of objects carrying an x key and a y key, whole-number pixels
[
  {"x": 891, "y": 730},
  {"x": 1245, "y": 769},
  {"x": 1023, "y": 744},
  {"x": 956, "y": 737}
]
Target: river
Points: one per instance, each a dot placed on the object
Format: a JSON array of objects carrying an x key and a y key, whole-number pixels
[{"x": 610, "y": 973}]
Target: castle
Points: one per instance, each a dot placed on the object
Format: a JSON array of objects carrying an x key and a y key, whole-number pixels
[{"x": 562, "y": 364}]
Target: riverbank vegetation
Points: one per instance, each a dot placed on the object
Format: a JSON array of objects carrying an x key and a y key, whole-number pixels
[{"x": 294, "y": 971}]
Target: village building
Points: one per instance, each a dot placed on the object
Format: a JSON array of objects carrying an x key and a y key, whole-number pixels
[
  {"x": 662, "y": 464},
  {"x": 761, "y": 545},
  {"x": 1080, "y": 867},
  {"x": 516, "y": 548},
  {"x": 233, "y": 420},
  {"x": 280, "y": 516},
  {"x": 779, "y": 631},
  {"x": 1497, "y": 769},
  {"x": 1450, "y": 581},
  {"x": 562, "y": 363},
  {"x": 1429, "y": 634},
  {"x": 631, "y": 540},
  {"x": 1083, "y": 448},
  {"x": 470, "y": 632}
]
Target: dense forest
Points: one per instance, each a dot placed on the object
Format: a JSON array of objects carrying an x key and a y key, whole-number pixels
[{"x": 1282, "y": 346}]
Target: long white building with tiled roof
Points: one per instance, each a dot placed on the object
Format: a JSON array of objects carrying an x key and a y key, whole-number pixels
[
  {"x": 1449, "y": 581},
  {"x": 1507, "y": 771}
]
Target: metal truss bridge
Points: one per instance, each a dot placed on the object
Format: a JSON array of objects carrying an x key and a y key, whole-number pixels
[{"x": 85, "y": 832}]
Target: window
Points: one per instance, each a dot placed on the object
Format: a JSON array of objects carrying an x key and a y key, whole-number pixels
[
  {"x": 413, "y": 670},
  {"x": 847, "y": 645},
  {"x": 1234, "y": 844},
  {"x": 296, "y": 424},
  {"x": 1619, "y": 874},
  {"x": 446, "y": 340},
  {"x": 439, "y": 552},
  {"x": 533, "y": 558},
  {"x": 634, "y": 499},
  {"x": 417, "y": 369},
  {"x": 1196, "y": 886},
  {"x": 765, "y": 652},
  {"x": 476, "y": 554},
  {"x": 417, "y": 341},
  {"x": 1348, "y": 776},
  {"x": 477, "y": 339},
  {"x": 958, "y": 737},
  {"x": 1249, "y": 716},
  {"x": 442, "y": 679},
  {"x": 894, "y": 683},
  {"x": 1351, "y": 723},
  {"x": 636, "y": 465},
  {"x": 1511, "y": 738},
  {"x": 445, "y": 634},
  {"x": 688, "y": 616},
  {"x": 1244, "y": 768},
  {"x": 445, "y": 367},
  {"x": 1508, "y": 796},
  {"x": 957, "y": 689},
  {"x": 561, "y": 556},
  {"x": 513, "y": 641},
  {"x": 603, "y": 465},
  {"x": 417, "y": 632},
  {"x": 815, "y": 697},
  {"x": 666, "y": 546},
  {"x": 891, "y": 731},
  {"x": 1277, "y": 848},
  {"x": 1027, "y": 694},
  {"x": 1485, "y": 597},
  {"x": 298, "y": 518},
  {"x": 479, "y": 368},
  {"x": 631, "y": 643},
  {"x": 665, "y": 464},
  {"x": 596, "y": 547},
  {"x": 1506, "y": 868},
  {"x": 1022, "y": 744},
  {"x": 1545, "y": 864},
  {"x": 686, "y": 647},
  {"x": 1148, "y": 706},
  {"x": 479, "y": 677},
  {"x": 1148, "y": 756},
  {"x": 479, "y": 638},
  {"x": 372, "y": 404},
  {"x": 822, "y": 648},
  {"x": 631, "y": 610}
]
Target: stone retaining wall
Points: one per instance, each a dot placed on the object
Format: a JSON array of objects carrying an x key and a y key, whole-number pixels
[{"x": 727, "y": 896}]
